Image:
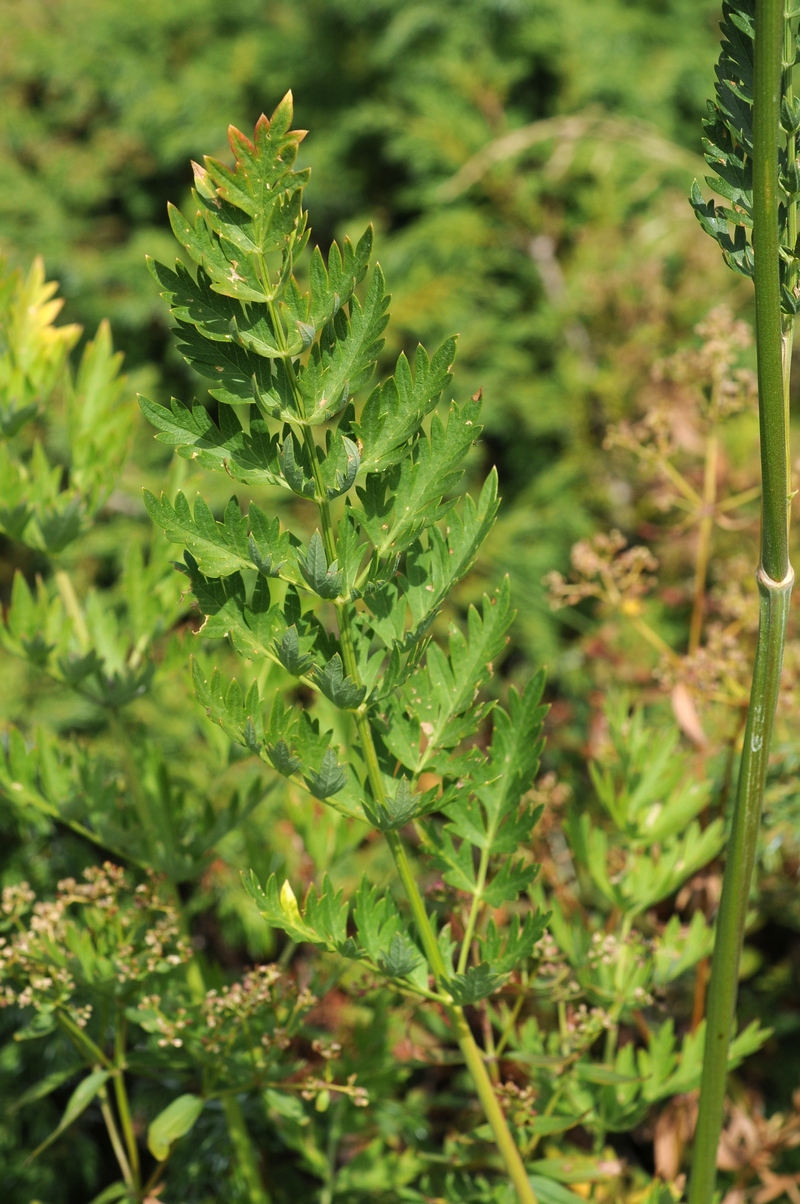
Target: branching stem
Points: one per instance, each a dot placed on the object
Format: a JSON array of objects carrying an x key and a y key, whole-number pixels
[
  {"x": 472, "y": 1055},
  {"x": 116, "y": 1141}
]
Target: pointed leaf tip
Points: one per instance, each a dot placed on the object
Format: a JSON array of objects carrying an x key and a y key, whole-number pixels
[{"x": 289, "y": 903}]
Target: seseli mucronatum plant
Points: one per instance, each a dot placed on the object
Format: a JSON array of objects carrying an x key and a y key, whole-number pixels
[{"x": 374, "y": 708}]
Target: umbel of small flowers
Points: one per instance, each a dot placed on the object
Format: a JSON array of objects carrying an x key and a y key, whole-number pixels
[{"x": 104, "y": 931}]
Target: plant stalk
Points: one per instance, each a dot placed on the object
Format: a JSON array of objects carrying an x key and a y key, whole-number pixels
[
  {"x": 467, "y": 1044},
  {"x": 116, "y": 1141},
  {"x": 472, "y": 1055},
  {"x": 123, "y": 1106},
  {"x": 775, "y": 578}
]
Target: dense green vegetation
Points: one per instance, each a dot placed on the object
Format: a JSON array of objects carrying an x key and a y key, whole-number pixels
[
  {"x": 101, "y": 117},
  {"x": 525, "y": 167}
]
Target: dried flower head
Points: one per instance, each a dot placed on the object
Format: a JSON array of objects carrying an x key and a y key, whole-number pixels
[
  {"x": 605, "y": 568},
  {"x": 102, "y": 930}
]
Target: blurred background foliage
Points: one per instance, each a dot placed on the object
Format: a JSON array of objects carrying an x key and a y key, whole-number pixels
[{"x": 526, "y": 164}]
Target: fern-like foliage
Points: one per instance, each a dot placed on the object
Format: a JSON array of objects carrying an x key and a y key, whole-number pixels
[
  {"x": 351, "y": 612},
  {"x": 46, "y": 502},
  {"x": 728, "y": 150}
]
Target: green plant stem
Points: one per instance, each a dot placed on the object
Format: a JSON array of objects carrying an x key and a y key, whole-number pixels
[
  {"x": 769, "y": 326},
  {"x": 116, "y": 1141},
  {"x": 466, "y": 1041},
  {"x": 736, "y": 884},
  {"x": 787, "y": 87},
  {"x": 334, "y": 1135},
  {"x": 234, "y": 1117},
  {"x": 472, "y": 1055},
  {"x": 83, "y": 1043},
  {"x": 775, "y": 578},
  {"x": 121, "y": 1094},
  {"x": 474, "y": 911}
]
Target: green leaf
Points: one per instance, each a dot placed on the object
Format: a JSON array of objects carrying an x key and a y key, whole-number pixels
[
  {"x": 595, "y": 1072},
  {"x": 548, "y": 1192},
  {"x": 237, "y": 715},
  {"x": 396, "y": 506},
  {"x": 477, "y": 983},
  {"x": 285, "y": 1105},
  {"x": 402, "y": 806},
  {"x": 269, "y": 547},
  {"x": 116, "y": 1191},
  {"x": 283, "y": 759},
  {"x": 249, "y": 457},
  {"x": 341, "y": 690},
  {"x": 239, "y": 374},
  {"x": 340, "y": 467},
  {"x": 291, "y": 653},
  {"x": 278, "y": 908},
  {"x": 219, "y": 548},
  {"x": 377, "y": 920},
  {"x": 489, "y": 815},
  {"x": 546, "y": 1125},
  {"x": 296, "y": 469},
  {"x": 577, "y": 1168},
  {"x": 176, "y": 1120},
  {"x": 322, "y": 578},
  {"x": 747, "y": 1042},
  {"x": 442, "y": 696},
  {"x": 394, "y": 411},
  {"x": 432, "y": 570},
  {"x": 455, "y": 862},
  {"x": 323, "y": 920},
  {"x": 194, "y": 301},
  {"x": 678, "y": 948},
  {"x": 329, "y": 779},
  {"x": 344, "y": 359},
  {"x": 43, "y": 1088},
  {"x": 402, "y": 958},
  {"x": 505, "y": 950},
  {"x": 83, "y": 1095},
  {"x": 222, "y": 548},
  {"x": 332, "y": 288},
  {"x": 514, "y": 876},
  {"x": 251, "y": 626},
  {"x": 515, "y": 748},
  {"x": 246, "y": 213}
]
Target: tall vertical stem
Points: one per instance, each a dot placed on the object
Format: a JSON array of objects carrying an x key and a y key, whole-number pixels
[
  {"x": 787, "y": 87},
  {"x": 775, "y": 578},
  {"x": 123, "y": 1106},
  {"x": 467, "y": 1044}
]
